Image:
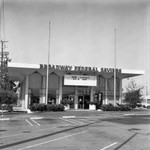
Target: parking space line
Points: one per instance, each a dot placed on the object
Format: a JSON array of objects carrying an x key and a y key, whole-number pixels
[
  {"x": 71, "y": 121},
  {"x": 29, "y": 122},
  {"x": 68, "y": 121},
  {"x": 35, "y": 122},
  {"x": 77, "y": 122},
  {"x": 86, "y": 120},
  {"x": 109, "y": 146},
  {"x": 2, "y": 137},
  {"x": 35, "y": 145}
]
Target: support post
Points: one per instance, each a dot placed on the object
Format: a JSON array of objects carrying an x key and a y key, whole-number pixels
[
  {"x": 91, "y": 95},
  {"x": 120, "y": 92},
  {"x": 60, "y": 90},
  {"x": 76, "y": 98},
  {"x": 26, "y": 91},
  {"x": 106, "y": 91}
]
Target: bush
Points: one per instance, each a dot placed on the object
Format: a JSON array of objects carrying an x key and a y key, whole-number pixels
[
  {"x": 50, "y": 107},
  {"x": 119, "y": 107},
  {"x": 7, "y": 107},
  {"x": 38, "y": 107},
  {"x": 66, "y": 102},
  {"x": 58, "y": 107},
  {"x": 124, "y": 107},
  {"x": 108, "y": 107},
  {"x": 44, "y": 107}
]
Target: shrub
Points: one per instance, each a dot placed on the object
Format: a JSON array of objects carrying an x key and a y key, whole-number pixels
[
  {"x": 38, "y": 107},
  {"x": 58, "y": 107},
  {"x": 108, "y": 107},
  {"x": 123, "y": 107},
  {"x": 7, "y": 107},
  {"x": 119, "y": 107},
  {"x": 66, "y": 102},
  {"x": 50, "y": 107},
  {"x": 44, "y": 107}
]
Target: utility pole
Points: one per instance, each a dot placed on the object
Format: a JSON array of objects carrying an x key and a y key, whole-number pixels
[
  {"x": 4, "y": 60},
  {"x": 2, "y": 46},
  {"x": 3, "y": 69}
]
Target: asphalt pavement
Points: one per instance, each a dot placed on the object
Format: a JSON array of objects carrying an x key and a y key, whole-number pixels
[{"x": 76, "y": 130}]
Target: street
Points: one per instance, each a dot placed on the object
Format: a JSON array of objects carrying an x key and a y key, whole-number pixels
[{"x": 76, "y": 130}]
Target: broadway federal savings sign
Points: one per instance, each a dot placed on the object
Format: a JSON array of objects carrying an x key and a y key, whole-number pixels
[
  {"x": 80, "y": 68},
  {"x": 80, "y": 80}
]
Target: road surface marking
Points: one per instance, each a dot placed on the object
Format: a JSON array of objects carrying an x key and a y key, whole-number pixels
[
  {"x": 35, "y": 122},
  {"x": 4, "y": 118},
  {"x": 37, "y": 118},
  {"x": 67, "y": 117},
  {"x": 28, "y": 147},
  {"x": 71, "y": 121},
  {"x": 29, "y": 122},
  {"x": 129, "y": 114},
  {"x": 109, "y": 146}
]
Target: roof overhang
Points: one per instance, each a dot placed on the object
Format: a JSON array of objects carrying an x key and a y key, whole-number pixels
[
  {"x": 127, "y": 73},
  {"x": 19, "y": 70}
]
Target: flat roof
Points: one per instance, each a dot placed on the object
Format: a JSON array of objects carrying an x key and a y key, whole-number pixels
[
  {"x": 121, "y": 73},
  {"x": 23, "y": 65}
]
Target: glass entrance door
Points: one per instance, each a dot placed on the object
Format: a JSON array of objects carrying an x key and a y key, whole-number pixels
[
  {"x": 72, "y": 98},
  {"x": 83, "y": 101},
  {"x": 86, "y": 101}
]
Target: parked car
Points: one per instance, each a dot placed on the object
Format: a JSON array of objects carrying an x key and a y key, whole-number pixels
[{"x": 143, "y": 105}]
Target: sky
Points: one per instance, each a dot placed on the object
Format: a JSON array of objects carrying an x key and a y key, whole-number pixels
[{"x": 82, "y": 32}]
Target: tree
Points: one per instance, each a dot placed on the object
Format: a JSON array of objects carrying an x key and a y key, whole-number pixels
[
  {"x": 7, "y": 88},
  {"x": 133, "y": 94},
  {"x": 8, "y": 97}
]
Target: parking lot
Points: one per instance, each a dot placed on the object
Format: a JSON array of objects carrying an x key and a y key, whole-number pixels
[{"x": 76, "y": 130}]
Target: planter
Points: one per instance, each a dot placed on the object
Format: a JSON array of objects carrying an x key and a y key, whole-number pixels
[
  {"x": 67, "y": 107},
  {"x": 92, "y": 107}
]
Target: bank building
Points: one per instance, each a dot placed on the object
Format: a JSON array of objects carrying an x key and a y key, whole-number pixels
[{"x": 79, "y": 83}]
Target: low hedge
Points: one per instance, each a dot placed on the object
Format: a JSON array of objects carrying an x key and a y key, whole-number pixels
[
  {"x": 7, "y": 107},
  {"x": 55, "y": 107},
  {"x": 119, "y": 107},
  {"x": 43, "y": 107}
]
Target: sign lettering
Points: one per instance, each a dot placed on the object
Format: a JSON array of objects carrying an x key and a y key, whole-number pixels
[{"x": 80, "y": 68}]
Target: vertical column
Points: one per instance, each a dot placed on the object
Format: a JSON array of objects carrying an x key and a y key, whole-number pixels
[
  {"x": 76, "y": 98},
  {"x": 60, "y": 91},
  {"x": 91, "y": 94},
  {"x": 43, "y": 90},
  {"x": 23, "y": 95},
  {"x": 106, "y": 91},
  {"x": 26, "y": 91},
  {"x": 120, "y": 91}
]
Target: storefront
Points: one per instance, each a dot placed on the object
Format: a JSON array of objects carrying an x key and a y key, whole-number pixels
[{"x": 77, "y": 83}]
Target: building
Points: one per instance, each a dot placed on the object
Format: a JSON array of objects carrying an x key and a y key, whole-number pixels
[{"x": 78, "y": 83}]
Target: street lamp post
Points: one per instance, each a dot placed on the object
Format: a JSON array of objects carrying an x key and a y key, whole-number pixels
[
  {"x": 115, "y": 67},
  {"x": 47, "y": 81}
]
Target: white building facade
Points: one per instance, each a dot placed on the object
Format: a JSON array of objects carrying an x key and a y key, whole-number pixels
[{"x": 78, "y": 83}]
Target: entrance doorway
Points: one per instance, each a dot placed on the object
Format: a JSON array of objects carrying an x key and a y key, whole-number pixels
[
  {"x": 72, "y": 98},
  {"x": 83, "y": 101}
]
